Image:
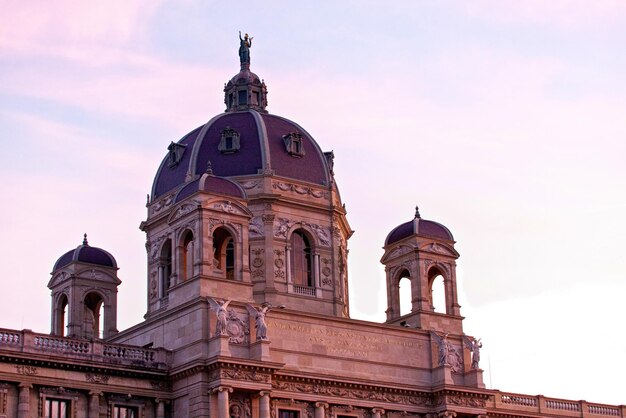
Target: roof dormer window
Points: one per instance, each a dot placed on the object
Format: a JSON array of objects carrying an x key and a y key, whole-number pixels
[
  {"x": 176, "y": 152},
  {"x": 229, "y": 141},
  {"x": 293, "y": 144}
]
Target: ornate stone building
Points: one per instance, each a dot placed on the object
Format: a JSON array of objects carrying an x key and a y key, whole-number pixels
[{"x": 247, "y": 294}]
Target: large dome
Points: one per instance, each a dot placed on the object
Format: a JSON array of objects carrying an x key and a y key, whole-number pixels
[{"x": 243, "y": 143}]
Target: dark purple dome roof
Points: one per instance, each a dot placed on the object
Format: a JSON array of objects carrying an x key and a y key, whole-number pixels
[
  {"x": 86, "y": 254},
  {"x": 261, "y": 146},
  {"x": 421, "y": 227}
]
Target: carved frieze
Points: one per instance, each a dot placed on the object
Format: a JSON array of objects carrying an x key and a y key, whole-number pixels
[
  {"x": 459, "y": 399},
  {"x": 26, "y": 370},
  {"x": 96, "y": 378},
  {"x": 250, "y": 184},
  {"x": 240, "y": 374},
  {"x": 226, "y": 206},
  {"x": 301, "y": 190},
  {"x": 163, "y": 203},
  {"x": 183, "y": 210},
  {"x": 369, "y": 393},
  {"x": 283, "y": 227}
]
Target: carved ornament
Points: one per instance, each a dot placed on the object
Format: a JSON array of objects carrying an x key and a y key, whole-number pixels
[
  {"x": 256, "y": 227},
  {"x": 26, "y": 370},
  {"x": 96, "y": 378},
  {"x": 301, "y": 190},
  {"x": 163, "y": 203}
]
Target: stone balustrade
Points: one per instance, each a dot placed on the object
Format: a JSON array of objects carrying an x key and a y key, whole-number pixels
[
  {"x": 27, "y": 341},
  {"x": 541, "y": 405}
]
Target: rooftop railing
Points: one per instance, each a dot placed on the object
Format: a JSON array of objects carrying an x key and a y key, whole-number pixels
[
  {"x": 29, "y": 342},
  {"x": 553, "y": 407}
]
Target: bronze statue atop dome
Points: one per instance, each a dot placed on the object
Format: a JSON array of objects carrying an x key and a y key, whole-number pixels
[{"x": 244, "y": 48}]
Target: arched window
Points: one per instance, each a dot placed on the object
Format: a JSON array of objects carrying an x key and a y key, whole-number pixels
[
  {"x": 301, "y": 259},
  {"x": 224, "y": 252},
  {"x": 62, "y": 316},
  {"x": 93, "y": 320},
  {"x": 165, "y": 268},
  {"x": 187, "y": 256},
  {"x": 404, "y": 283},
  {"x": 437, "y": 291}
]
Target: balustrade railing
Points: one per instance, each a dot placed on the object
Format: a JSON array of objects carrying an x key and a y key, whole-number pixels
[
  {"x": 95, "y": 350},
  {"x": 304, "y": 290},
  {"x": 554, "y": 407}
]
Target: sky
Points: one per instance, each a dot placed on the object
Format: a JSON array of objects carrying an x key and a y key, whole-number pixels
[{"x": 503, "y": 120}]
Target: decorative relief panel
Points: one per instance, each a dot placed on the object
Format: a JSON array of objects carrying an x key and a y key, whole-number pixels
[
  {"x": 26, "y": 370},
  {"x": 183, "y": 210},
  {"x": 301, "y": 190},
  {"x": 256, "y": 227},
  {"x": 250, "y": 184},
  {"x": 163, "y": 203},
  {"x": 96, "y": 378},
  {"x": 226, "y": 206},
  {"x": 279, "y": 263},
  {"x": 153, "y": 246},
  {"x": 240, "y": 406},
  {"x": 368, "y": 393},
  {"x": 237, "y": 329},
  {"x": 284, "y": 225},
  {"x": 240, "y": 374}
]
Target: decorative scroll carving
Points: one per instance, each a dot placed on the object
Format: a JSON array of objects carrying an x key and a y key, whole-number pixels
[
  {"x": 459, "y": 399},
  {"x": 372, "y": 394},
  {"x": 250, "y": 184},
  {"x": 226, "y": 206},
  {"x": 97, "y": 378},
  {"x": 160, "y": 384},
  {"x": 301, "y": 190},
  {"x": 153, "y": 285},
  {"x": 26, "y": 370},
  {"x": 241, "y": 374},
  {"x": 279, "y": 273},
  {"x": 163, "y": 203}
]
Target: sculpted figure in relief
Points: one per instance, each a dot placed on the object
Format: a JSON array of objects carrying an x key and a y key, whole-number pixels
[
  {"x": 222, "y": 315},
  {"x": 448, "y": 355},
  {"x": 474, "y": 345},
  {"x": 259, "y": 316}
]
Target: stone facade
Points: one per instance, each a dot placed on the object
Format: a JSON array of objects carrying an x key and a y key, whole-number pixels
[{"x": 247, "y": 295}]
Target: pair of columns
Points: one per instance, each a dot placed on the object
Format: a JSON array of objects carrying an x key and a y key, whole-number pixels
[{"x": 223, "y": 409}]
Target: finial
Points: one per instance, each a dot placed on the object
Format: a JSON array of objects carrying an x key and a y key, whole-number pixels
[
  {"x": 209, "y": 167},
  {"x": 417, "y": 212},
  {"x": 85, "y": 239}
]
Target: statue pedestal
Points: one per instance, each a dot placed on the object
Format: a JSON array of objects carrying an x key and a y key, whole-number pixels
[
  {"x": 474, "y": 378},
  {"x": 219, "y": 346},
  {"x": 260, "y": 350},
  {"x": 442, "y": 375}
]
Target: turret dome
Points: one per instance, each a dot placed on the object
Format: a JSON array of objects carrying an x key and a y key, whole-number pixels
[
  {"x": 419, "y": 226},
  {"x": 85, "y": 253}
]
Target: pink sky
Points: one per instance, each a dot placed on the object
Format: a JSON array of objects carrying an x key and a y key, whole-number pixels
[{"x": 502, "y": 120}]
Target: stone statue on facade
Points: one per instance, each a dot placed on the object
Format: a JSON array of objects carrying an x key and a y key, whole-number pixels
[
  {"x": 244, "y": 48},
  {"x": 259, "y": 317},
  {"x": 448, "y": 355},
  {"x": 474, "y": 345},
  {"x": 219, "y": 307}
]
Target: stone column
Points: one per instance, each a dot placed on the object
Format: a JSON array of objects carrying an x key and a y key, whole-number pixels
[
  {"x": 94, "y": 404},
  {"x": 288, "y": 264},
  {"x": 160, "y": 409},
  {"x": 222, "y": 402},
  {"x": 320, "y": 409},
  {"x": 316, "y": 270},
  {"x": 264, "y": 405},
  {"x": 23, "y": 405}
]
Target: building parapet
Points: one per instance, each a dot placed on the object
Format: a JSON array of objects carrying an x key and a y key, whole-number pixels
[
  {"x": 541, "y": 405},
  {"x": 26, "y": 341}
]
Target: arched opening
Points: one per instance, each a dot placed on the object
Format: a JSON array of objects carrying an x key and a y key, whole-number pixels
[
  {"x": 187, "y": 256},
  {"x": 224, "y": 252},
  {"x": 405, "y": 296},
  {"x": 93, "y": 320},
  {"x": 165, "y": 268},
  {"x": 437, "y": 291},
  {"x": 62, "y": 316},
  {"x": 301, "y": 259}
]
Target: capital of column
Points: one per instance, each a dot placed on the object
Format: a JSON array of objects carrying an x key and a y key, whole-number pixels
[
  {"x": 378, "y": 411},
  {"x": 25, "y": 385},
  {"x": 321, "y": 405},
  {"x": 220, "y": 389}
]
